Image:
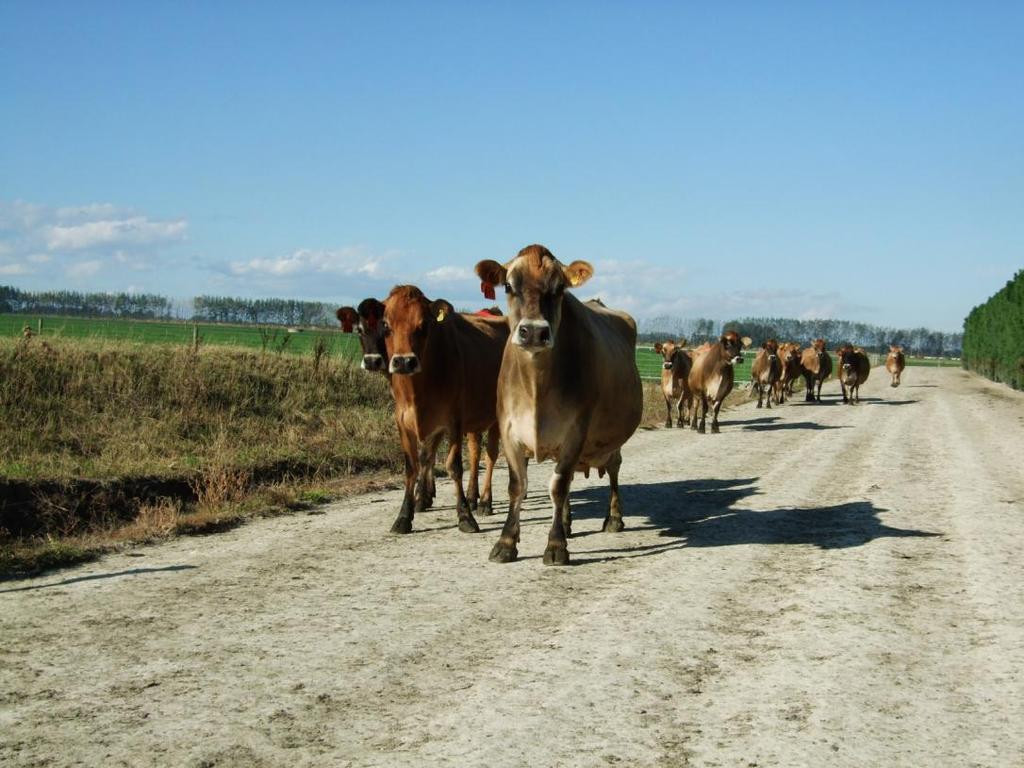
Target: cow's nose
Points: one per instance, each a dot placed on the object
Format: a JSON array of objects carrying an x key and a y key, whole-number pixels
[
  {"x": 404, "y": 364},
  {"x": 373, "y": 362},
  {"x": 533, "y": 333},
  {"x": 667, "y": 366}
]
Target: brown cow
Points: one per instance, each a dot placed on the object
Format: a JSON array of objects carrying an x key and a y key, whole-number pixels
[
  {"x": 712, "y": 375},
  {"x": 817, "y": 366},
  {"x": 367, "y": 321},
  {"x": 444, "y": 369},
  {"x": 789, "y": 356},
  {"x": 569, "y": 389},
  {"x": 894, "y": 364},
  {"x": 675, "y": 374},
  {"x": 854, "y": 368},
  {"x": 766, "y": 371}
]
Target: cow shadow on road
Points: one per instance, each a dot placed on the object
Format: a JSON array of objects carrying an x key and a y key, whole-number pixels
[
  {"x": 701, "y": 513},
  {"x": 791, "y": 425}
]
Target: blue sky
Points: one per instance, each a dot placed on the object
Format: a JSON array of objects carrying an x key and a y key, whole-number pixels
[{"x": 862, "y": 161}]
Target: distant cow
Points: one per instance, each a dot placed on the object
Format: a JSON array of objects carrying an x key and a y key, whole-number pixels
[
  {"x": 712, "y": 377},
  {"x": 817, "y": 366},
  {"x": 854, "y": 368},
  {"x": 675, "y": 379},
  {"x": 569, "y": 389},
  {"x": 894, "y": 364},
  {"x": 444, "y": 369},
  {"x": 789, "y": 357},
  {"x": 766, "y": 371}
]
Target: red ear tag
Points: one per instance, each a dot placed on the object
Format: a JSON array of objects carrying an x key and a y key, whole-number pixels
[
  {"x": 488, "y": 290},
  {"x": 346, "y": 325}
]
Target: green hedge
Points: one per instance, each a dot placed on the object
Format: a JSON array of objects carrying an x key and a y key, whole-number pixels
[{"x": 994, "y": 335}]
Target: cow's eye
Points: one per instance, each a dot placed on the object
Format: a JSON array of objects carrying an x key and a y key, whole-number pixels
[{"x": 508, "y": 288}]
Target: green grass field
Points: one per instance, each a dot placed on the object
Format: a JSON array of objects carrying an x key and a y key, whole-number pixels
[{"x": 270, "y": 338}]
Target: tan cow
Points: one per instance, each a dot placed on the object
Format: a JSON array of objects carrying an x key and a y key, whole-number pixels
[
  {"x": 675, "y": 375},
  {"x": 444, "y": 370},
  {"x": 789, "y": 356},
  {"x": 712, "y": 377},
  {"x": 568, "y": 391},
  {"x": 854, "y": 368},
  {"x": 894, "y": 364},
  {"x": 817, "y": 366},
  {"x": 766, "y": 371}
]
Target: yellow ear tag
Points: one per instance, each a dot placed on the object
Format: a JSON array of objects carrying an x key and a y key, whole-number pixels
[
  {"x": 574, "y": 280},
  {"x": 440, "y": 315}
]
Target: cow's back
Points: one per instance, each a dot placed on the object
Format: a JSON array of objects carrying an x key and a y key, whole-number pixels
[{"x": 480, "y": 342}]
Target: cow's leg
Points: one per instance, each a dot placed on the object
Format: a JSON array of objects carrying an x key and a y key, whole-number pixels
[
  {"x": 403, "y": 523},
  {"x": 820, "y": 382},
  {"x": 769, "y": 393},
  {"x": 668, "y": 407},
  {"x": 472, "y": 487},
  {"x": 427, "y": 452},
  {"x": 429, "y": 490},
  {"x": 679, "y": 409},
  {"x": 702, "y": 429},
  {"x": 467, "y": 524},
  {"x": 695, "y": 406},
  {"x": 505, "y": 551},
  {"x": 758, "y": 388},
  {"x": 557, "y": 550},
  {"x": 842, "y": 388},
  {"x": 486, "y": 498},
  {"x": 717, "y": 405},
  {"x": 613, "y": 522}
]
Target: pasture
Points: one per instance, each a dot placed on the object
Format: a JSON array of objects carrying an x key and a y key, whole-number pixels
[
  {"x": 267, "y": 338},
  {"x": 818, "y": 585}
]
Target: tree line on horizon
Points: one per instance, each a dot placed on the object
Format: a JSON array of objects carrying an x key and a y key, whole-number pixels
[
  {"x": 292, "y": 312},
  {"x": 994, "y": 335}
]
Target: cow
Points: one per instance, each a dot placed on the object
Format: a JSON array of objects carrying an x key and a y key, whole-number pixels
[
  {"x": 894, "y": 364},
  {"x": 443, "y": 369},
  {"x": 789, "y": 357},
  {"x": 854, "y": 368},
  {"x": 766, "y": 371},
  {"x": 675, "y": 375},
  {"x": 817, "y": 366},
  {"x": 712, "y": 376},
  {"x": 569, "y": 389}
]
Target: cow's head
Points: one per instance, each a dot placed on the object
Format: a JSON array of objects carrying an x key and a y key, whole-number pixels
[
  {"x": 534, "y": 282},
  {"x": 367, "y": 321},
  {"x": 895, "y": 350},
  {"x": 670, "y": 352},
  {"x": 790, "y": 352},
  {"x": 410, "y": 323},
  {"x": 771, "y": 348},
  {"x": 847, "y": 355},
  {"x": 733, "y": 346}
]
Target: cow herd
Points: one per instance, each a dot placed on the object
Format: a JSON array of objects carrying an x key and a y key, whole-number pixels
[{"x": 555, "y": 378}]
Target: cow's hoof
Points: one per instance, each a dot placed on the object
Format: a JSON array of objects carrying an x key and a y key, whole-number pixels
[
  {"x": 613, "y": 525},
  {"x": 714, "y": 429},
  {"x": 556, "y": 554},
  {"x": 701, "y": 431},
  {"x": 503, "y": 553},
  {"x": 681, "y": 424},
  {"x": 486, "y": 507},
  {"x": 668, "y": 423},
  {"x": 758, "y": 405},
  {"x": 473, "y": 505},
  {"x": 468, "y": 525},
  {"x": 402, "y": 525}
]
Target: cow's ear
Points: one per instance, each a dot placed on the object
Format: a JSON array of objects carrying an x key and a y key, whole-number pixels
[
  {"x": 578, "y": 273},
  {"x": 681, "y": 342},
  {"x": 440, "y": 309},
  {"x": 746, "y": 341},
  {"x": 347, "y": 317},
  {"x": 658, "y": 347},
  {"x": 491, "y": 274}
]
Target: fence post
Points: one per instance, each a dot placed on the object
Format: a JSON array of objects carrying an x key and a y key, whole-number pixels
[{"x": 39, "y": 326}]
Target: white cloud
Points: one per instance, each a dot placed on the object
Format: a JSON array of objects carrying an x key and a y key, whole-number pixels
[
  {"x": 14, "y": 269},
  {"x": 82, "y": 269},
  {"x": 135, "y": 230},
  {"x": 350, "y": 260}
]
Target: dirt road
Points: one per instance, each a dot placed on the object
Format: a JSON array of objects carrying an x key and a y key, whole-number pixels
[{"x": 819, "y": 585}]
